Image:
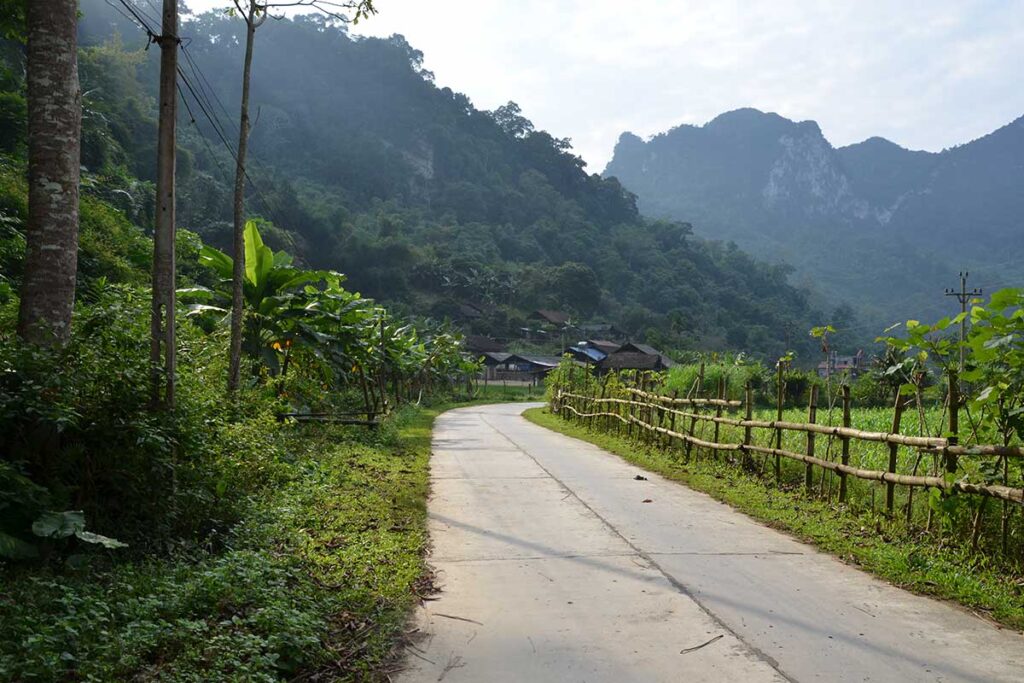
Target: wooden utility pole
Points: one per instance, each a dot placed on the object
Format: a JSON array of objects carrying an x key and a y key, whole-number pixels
[
  {"x": 162, "y": 349},
  {"x": 963, "y": 296}
]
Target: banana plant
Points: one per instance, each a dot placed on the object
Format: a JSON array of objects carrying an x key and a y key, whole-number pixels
[
  {"x": 307, "y": 316},
  {"x": 273, "y": 291}
]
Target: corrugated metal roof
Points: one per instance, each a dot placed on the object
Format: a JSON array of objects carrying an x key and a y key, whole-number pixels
[{"x": 546, "y": 361}]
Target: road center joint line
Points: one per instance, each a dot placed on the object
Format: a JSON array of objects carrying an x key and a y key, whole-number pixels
[{"x": 643, "y": 555}]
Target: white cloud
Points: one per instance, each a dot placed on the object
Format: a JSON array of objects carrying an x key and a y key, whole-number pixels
[{"x": 927, "y": 75}]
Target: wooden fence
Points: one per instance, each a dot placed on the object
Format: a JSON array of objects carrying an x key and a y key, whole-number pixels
[{"x": 666, "y": 420}]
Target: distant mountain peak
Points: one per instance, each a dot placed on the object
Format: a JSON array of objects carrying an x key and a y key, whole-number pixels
[
  {"x": 875, "y": 141},
  {"x": 893, "y": 217},
  {"x": 746, "y": 117}
]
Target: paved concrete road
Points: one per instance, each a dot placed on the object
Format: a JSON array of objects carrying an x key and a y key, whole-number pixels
[{"x": 556, "y": 564}]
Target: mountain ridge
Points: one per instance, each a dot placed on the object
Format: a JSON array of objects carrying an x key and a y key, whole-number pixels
[{"x": 781, "y": 190}]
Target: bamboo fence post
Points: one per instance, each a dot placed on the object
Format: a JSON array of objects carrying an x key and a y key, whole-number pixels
[
  {"x": 954, "y": 421},
  {"x": 672, "y": 421},
  {"x": 890, "y": 487},
  {"x": 779, "y": 398},
  {"x": 718, "y": 410},
  {"x": 627, "y": 413},
  {"x": 1004, "y": 524},
  {"x": 748, "y": 414},
  {"x": 845, "y": 456},
  {"x": 693, "y": 420},
  {"x": 620, "y": 410},
  {"x": 650, "y": 434},
  {"x": 812, "y": 417},
  {"x": 661, "y": 423}
]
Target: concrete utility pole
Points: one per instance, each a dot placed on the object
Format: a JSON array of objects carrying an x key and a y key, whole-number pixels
[
  {"x": 963, "y": 296},
  {"x": 162, "y": 338}
]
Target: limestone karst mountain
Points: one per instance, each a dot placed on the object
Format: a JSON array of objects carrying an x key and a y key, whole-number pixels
[{"x": 875, "y": 224}]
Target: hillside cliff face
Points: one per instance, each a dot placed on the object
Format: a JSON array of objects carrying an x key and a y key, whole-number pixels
[{"x": 873, "y": 223}]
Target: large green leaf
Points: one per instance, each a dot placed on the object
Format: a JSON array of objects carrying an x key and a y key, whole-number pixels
[
  {"x": 197, "y": 293},
  {"x": 218, "y": 260},
  {"x": 59, "y": 524},
  {"x": 105, "y": 541},
  {"x": 259, "y": 259}
]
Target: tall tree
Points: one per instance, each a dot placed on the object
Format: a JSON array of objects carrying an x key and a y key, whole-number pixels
[
  {"x": 255, "y": 13},
  {"x": 54, "y": 139}
]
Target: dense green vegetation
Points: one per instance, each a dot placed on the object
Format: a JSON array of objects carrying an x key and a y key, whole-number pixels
[
  {"x": 362, "y": 164},
  {"x": 316, "y": 577},
  {"x": 858, "y": 535},
  {"x": 214, "y": 540}
]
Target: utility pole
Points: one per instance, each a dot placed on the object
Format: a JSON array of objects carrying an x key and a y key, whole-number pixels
[
  {"x": 963, "y": 296},
  {"x": 162, "y": 338}
]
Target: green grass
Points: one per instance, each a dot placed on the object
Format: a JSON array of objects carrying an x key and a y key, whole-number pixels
[
  {"x": 318, "y": 579},
  {"x": 902, "y": 555}
]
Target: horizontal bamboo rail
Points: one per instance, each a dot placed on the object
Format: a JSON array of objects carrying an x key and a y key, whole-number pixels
[
  {"x": 661, "y": 398},
  {"x": 924, "y": 442},
  {"x": 994, "y": 491},
  {"x": 1009, "y": 451},
  {"x": 1006, "y": 493}
]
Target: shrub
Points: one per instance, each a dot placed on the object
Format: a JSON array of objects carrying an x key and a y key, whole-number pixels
[{"x": 76, "y": 431}]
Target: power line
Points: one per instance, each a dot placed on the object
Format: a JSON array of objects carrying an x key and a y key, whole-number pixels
[
  {"x": 142, "y": 10},
  {"x": 214, "y": 121},
  {"x": 259, "y": 194},
  {"x": 204, "y": 81},
  {"x": 135, "y": 16},
  {"x": 207, "y": 90}
]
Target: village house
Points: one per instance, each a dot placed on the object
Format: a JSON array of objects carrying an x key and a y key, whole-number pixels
[
  {"x": 603, "y": 331},
  {"x": 513, "y": 367},
  {"x": 839, "y": 365},
  {"x": 591, "y": 351},
  {"x": 632, "y": 356},
  {"x": 477, "y": 344},
  {"x": 557, "y": 319},
  {"x": 494, "y": 362}
]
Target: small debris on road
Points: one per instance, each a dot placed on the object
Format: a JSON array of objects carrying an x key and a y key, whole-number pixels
[
  {"x": 647, "y": 500},
  {"x": 452, "y": 616},
  {"x": 704, "y": 644}
]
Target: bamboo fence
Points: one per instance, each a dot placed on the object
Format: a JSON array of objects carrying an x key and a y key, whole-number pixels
[{"x": 654, "y": 417}]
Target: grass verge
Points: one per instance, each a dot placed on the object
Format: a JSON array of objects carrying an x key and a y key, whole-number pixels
[
  {"x": 903, "y": 556},
  {"x": 316, "y": 582}
]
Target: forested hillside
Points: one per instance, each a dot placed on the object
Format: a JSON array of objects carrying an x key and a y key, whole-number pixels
[
  {"x": 363, "y": 164},
  {"x": 881, "y": 227}
]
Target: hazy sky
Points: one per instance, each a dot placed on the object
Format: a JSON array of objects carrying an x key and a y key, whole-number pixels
[{"x": 926, "y": 75}]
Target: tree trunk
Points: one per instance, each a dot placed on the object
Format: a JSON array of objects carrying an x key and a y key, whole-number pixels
[
  {"x": 54, "y": 141},
  {"x": 162, "y": 356},
  {"x": 238, "y": 272}
]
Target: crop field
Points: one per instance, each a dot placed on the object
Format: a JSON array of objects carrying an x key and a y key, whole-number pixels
[{"x": 863, "y": 454}]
